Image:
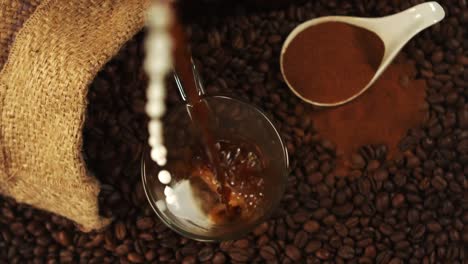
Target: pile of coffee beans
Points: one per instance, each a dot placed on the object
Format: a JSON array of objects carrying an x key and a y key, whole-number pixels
[{"x": 411, "y": 209}]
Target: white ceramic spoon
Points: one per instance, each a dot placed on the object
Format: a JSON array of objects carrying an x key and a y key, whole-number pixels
[{"x": 394, "y": 30}]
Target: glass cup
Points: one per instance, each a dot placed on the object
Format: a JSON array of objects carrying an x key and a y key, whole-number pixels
[{"x": 183, "y": 193}]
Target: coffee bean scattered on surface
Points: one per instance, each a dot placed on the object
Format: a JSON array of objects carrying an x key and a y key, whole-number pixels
[{"x": 410, "y": 209}]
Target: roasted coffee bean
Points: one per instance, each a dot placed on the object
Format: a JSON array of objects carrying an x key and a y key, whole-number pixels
[
  {"x": 311, "y": 226},
  {"x": 434, "y": 226},
  {"x": 240, "y": 255},
  {"x": 135, "y": 258},
  {"x": 66, "y": 256},
  {"x": 120, "y": 230},
  {"x": 441, "y": 239},
  {"x": 144, "y": 223},
  {"x": 35, "y": 228},
  {"x": 300, "y": 239},
  {"x": 219, "y": 258},
  {"x": 343, "y": 210},
  {"x": 43, "y": 240},
  {"x": 418, "y": 232},
  {"x": 315, "y": 178},
  {"x": 384, "y": 257},
  {"x": 189, "y": 260},
  {"x": 395, "y": 261},
  {"x": 382, "y": 202},
  {"x": 268, "y": 253},
  {"x": 398, "y": 200},
  {"x": 205, "y": 254},
  {"x": 122, "y": 250},
  {"x": 261, "y": 229},
  {"x": 63, "y": 238},
  {"x": 242, "y": 243},
  {"x": 281, "y": 232},
  {"x": 329, "y": 220},
  {"x": 313, "y": 246},
  {"x": 381, "y": 175},
  {"x": 397, "y": 236},
  {"x": 17, "y": 229},
  {"x": 370, "y": 251},
  {"x": 358, "y": 161},
  {"x": 341, "y": 229},
  {"x": 385, "y": 229},
  {"x": 262, "y": 240},
  {"x": 335, "y": 241},
  {"x": 405, "y": 208},
  {"x": 301, "y": 217},
  {"x": 322, "y": 254},
  {"x": 439, "y": 183},
  {"x": 346, "y": 252},
  {"x": 293, "y": 252},
  {"x": 150, "y": 255}
]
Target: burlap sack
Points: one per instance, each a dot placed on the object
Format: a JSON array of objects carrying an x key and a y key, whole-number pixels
[
  {"x": 43, "y": 86},
  {"x": 12, "y": 16}
]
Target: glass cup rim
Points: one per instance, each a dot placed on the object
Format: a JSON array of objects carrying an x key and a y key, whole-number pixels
[{"x": 261, "y": 219}]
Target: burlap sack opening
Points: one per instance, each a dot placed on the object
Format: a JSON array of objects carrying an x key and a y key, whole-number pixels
[{"x": 43, "y": 84}]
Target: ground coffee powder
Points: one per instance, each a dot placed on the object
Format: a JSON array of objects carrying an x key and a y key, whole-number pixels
[
  {"x": 382, "y": 115},
  {"x": 332, "y": 61}
]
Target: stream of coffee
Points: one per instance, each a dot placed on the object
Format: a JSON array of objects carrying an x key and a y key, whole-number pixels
[{"x": 205, "y": 124}]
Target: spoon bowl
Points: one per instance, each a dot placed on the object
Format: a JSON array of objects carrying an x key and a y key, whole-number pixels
[{"x": 394, "y": 31}]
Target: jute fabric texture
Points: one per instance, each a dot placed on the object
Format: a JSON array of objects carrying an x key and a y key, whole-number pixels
[{"x": 52, "y": 58}]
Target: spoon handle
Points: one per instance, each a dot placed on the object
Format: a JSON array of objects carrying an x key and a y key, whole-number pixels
[{"x": 395, "y": 30}]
